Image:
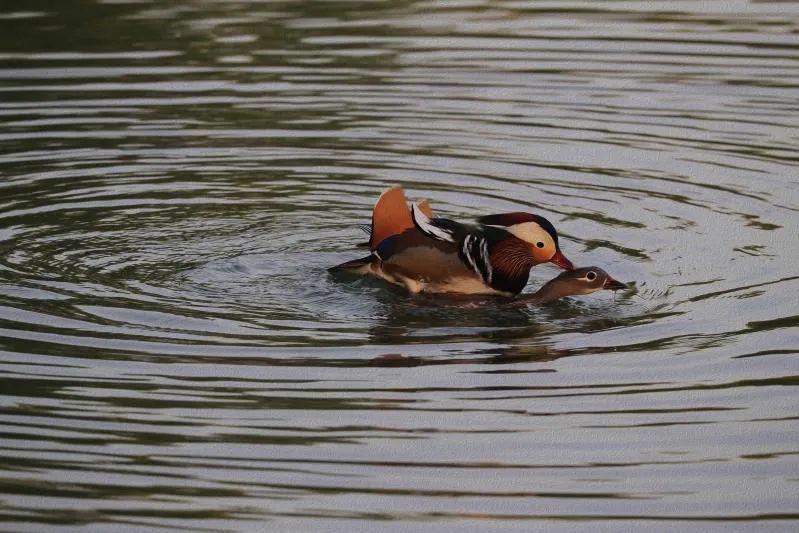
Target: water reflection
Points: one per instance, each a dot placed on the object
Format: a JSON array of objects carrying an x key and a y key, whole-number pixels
[{"x": 176, "y": 177}]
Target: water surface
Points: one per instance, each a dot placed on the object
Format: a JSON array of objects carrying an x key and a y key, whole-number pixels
[{"x": 175, "y": 178}]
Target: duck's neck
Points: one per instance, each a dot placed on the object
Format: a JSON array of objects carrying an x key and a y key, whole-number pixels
[{"x": 551, "y": 291}]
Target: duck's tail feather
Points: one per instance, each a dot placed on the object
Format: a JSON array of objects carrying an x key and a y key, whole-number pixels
[
  {"x": 366, "y": 228},
  {"x": 356, "y": 266}
]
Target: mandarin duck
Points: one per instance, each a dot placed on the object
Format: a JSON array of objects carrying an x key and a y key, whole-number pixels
[
  {"x": 411, "y": 248},
  {"x": 584, "y": 280}
]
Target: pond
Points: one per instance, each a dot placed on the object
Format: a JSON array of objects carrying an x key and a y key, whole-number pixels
[{"x": 176, "y": 177}]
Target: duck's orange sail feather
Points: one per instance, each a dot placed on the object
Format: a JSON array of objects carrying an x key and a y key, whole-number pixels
[
  {"x": 390, "y": 216},
  {"x": 424, "y": 207}
]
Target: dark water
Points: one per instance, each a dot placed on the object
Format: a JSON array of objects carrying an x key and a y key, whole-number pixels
[{"x": 176, "y": 176}]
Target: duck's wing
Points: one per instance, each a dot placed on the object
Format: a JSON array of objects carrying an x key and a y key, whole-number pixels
[
  {"x": 440, "y": 229},
  {"x": 496, "y": 256},
  {"x": 412, "y": 254},
  {"x": 390, "y": 216}
]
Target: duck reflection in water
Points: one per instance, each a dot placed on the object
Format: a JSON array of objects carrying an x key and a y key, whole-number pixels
[
  {"x": 511, "y": 328},
  {"x": 469, "y": 267}
]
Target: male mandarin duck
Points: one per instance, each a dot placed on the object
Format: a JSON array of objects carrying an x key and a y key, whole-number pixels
[{"x": 412, "y": 249}]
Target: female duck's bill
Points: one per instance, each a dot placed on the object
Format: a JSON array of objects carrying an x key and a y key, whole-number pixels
[{"x": 611, "y": 284}]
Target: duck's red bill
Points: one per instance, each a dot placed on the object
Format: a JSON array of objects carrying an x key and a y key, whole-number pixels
[
  {"x": 613, "y": 285},
  {"x": 560, "y": 260}
]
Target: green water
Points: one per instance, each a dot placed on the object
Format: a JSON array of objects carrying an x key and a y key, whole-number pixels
[{"x": 176, "y": 176}]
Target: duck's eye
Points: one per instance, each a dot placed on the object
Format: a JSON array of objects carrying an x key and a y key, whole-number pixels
[
  {"x": 539, "y": 244},
  {"x": 591, "y": 276}
]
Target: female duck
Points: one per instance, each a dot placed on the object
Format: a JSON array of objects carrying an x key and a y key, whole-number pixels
[{"x": 583, "y": 280}]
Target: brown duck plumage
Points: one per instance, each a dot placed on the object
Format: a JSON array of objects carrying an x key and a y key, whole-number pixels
[{"x": 425, "y": 254}]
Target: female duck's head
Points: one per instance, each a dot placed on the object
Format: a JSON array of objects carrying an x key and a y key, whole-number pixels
[{"x": 584, "y": 280}]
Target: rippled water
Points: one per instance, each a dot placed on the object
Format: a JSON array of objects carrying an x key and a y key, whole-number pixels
[{"x": 175, "y": 177}]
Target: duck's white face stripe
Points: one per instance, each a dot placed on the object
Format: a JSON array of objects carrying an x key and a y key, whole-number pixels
[
  {"x": 530, "y": 232},
  {"x": 427, "y": 227}
]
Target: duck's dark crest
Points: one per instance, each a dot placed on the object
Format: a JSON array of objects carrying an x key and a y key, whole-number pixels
[
  {"x": 507, "y": 219},
  {"x": 511, "y": 219}
]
